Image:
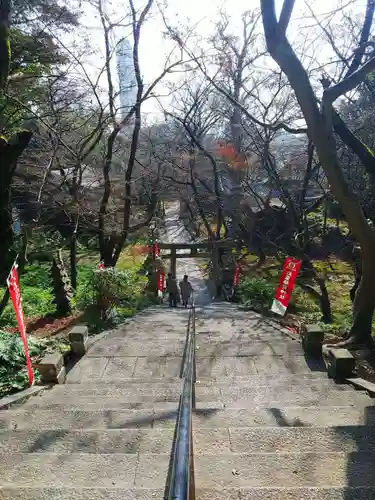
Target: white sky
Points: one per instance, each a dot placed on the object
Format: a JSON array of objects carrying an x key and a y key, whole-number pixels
[{"x": 199, "y": 13}]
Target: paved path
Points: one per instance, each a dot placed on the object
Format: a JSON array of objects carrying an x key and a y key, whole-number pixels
[
  {"x": 176, "y": 233},
  {"x": 269, "y": 424}
]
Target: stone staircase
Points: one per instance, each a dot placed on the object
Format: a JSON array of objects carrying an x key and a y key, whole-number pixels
[{"x": 268, "y": 425}]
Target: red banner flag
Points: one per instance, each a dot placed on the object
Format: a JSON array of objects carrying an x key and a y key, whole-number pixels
[
  {"x": 237, "y": 274},
  {"x": 155, "y": 250},
  {"x": 286, "y": 285},
  {"x": 161, "y": 281},
  {"x": 15, "y": 295}
]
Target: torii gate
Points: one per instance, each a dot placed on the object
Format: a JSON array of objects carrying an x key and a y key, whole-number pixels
[{"x": 210, "y": 249}]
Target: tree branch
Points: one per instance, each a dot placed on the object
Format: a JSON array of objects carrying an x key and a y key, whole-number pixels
[
  {"x": 285, "y": 15},
  {"x": 351, "y": 82},
  {"x": 359, "y": 53}
]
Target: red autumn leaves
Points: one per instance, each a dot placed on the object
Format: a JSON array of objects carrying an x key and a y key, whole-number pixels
[{"x": 227, "y": 151}]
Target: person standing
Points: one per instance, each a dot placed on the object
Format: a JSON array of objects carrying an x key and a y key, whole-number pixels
[
  {"x": 172, "y": 290},
  {"x": 186, "y": 290}
]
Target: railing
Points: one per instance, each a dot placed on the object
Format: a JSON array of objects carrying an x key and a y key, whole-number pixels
[{"x": 181, "y": 480}]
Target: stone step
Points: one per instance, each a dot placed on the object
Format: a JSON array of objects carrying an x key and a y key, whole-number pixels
[
  {"x": 222, "y": 388},
  {"x": 284, "y": 416},
  {"x": 71, "y": 469},
  {"x": 130, "y": 348},
  {"x": 239, "y": 397},
  {"x": 105, "y": 389},
  {"x": 59, "y": 418},
  {"x": 231, "y": 397},
  {"x": 252, "y": 470},
  {"x": 313, "y": 493},
  {"x": 243, "y": 470},
  {"x": 346, "y": 439},
  {"x": 224, "y": 385},
  {"x": 130, "y": 381},
  {"x": 86, "y": 493},
  {"x": 128, "y": 441},
  {"x": 268, "y": 493},
  {"x": 291, "y": 379},
  {"x": 107, "y": 368},
  {"x": 258, "y": 365},
  {"x": 101, "y": 403}
]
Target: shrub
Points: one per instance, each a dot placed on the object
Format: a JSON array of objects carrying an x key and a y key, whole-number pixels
[
  {"x": 256, "y": 293},
  {"x": 110, "y": 287}
]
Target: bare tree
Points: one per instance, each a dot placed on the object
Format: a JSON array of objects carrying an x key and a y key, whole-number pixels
[{"x": 320, "y": 130}]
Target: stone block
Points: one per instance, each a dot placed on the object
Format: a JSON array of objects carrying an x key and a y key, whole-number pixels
[
  {"x": 360, "y": 383},
  {"x": 79, "y": 334},
  {"x": 340, "y": 363},
  {"x": 78, "y": 338},
  {"x": 312, "y": 340},
  {"x": 51, "y": 368}
]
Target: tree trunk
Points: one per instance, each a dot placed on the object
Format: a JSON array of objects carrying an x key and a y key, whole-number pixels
[
  {"x": 9, "y": 153},
  {"x": 320, "y": 131},
  {"x": 61, "y": 285},
  {"x": 73, "y": 260},
  {"x": 363, "y": 308}
]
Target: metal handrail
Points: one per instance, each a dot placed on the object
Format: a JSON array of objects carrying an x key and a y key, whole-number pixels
[{"x": 182, "y": 486}]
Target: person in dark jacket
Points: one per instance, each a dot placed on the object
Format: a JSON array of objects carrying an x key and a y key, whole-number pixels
[
  {"x": 172, "y": 290},
  {"x": 186, "y": 290}
]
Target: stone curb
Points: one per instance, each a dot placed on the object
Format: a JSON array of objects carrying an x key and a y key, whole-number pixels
[{"x": 52, "y": 367}]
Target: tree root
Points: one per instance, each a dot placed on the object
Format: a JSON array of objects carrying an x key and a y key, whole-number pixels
[{"x": 355, "y": 342}]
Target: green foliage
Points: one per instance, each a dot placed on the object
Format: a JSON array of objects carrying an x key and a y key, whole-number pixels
[
  {"x": 13, "y": 374},
  {"x": 36, "y": 295},
  {"x": 256, "y": 293},
  {"x": 108, "y": 287},
  {"x": 121, "y": 290}
]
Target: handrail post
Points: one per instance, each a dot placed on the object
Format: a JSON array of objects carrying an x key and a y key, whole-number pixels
[
  {"x": 191, "y": 465},
  {"x": 194, "y": 360}
]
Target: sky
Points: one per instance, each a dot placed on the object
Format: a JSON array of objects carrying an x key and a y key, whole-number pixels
[{"x": 201, "y": 14}]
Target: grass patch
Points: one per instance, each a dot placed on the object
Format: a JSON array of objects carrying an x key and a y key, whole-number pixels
[{"x": 256, "y": 287}]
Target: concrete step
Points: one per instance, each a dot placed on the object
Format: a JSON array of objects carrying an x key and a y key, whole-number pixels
[
  {"x": 129, "y": 441},
  {"x": 91, "y": 369},
  {"x": 286, "y": 470},
  {"x": 246, "y": 347},
  {"x": 284, "y": 416},
  {"x": 128, "y": 382},
  {"x": 121, "y": 389},
  {"x": 289, "y": 470},
  {"x": 132, "y": 348},
  {"x": 242, "y": 397},
  {"x": 250, "y": 380},
  {"x": 313, "y": 493},
  {"x": 78, "y": 469},
  {"x": 59, "y": 418},
  {"x": 76, "y": 493},
  {"x": 98, "y": 404},
  {"x": 224, "y": 385},
  {"x": 346, "y": 439},
  {"x": 225, "y": 366},
  {"x": 232, "y": 397},
  {"x": 275, "y": 493}
]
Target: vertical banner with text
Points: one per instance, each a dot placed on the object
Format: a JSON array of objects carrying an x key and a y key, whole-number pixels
[
  {"x": 237, "y": 274},
  {"x": 15, "y": 295},
  {"x": 285, "y": 287},
  {"x": 155, "y": 250},
  {"x": 160, "y": 283}
]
